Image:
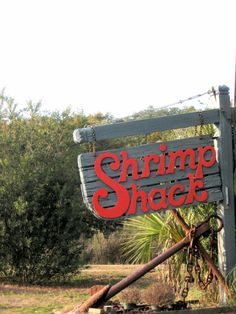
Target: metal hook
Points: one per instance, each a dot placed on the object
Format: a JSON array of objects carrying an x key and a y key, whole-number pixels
[{"x": 221, "y": 225}]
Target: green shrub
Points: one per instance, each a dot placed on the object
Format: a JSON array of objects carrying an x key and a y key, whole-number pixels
[{"x": 101, "y": 249}]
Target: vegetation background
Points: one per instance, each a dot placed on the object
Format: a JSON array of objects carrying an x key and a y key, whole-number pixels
[{"x": 46, "y": 233}]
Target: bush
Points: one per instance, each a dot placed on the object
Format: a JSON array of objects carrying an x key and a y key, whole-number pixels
[
  {"x": 101, "y": 249},
  {"x": 160, "y": 294},
  {"x": 42, "y": 215},
  {"x": 130, "y": 295},
  {"x": 40, "y": 209}
]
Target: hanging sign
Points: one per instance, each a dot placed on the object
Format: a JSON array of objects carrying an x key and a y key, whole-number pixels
[{"x": 149, "y": 178}]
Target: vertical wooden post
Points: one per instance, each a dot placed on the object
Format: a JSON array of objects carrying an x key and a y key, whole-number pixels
[
  {"x": 226, "y": 209},
  {"x": 235, "y": 85}
]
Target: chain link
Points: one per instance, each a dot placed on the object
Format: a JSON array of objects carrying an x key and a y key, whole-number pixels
[
  {"x": 193, "y": 262},
  {"x": 201, "y": 123},
  {"x": 203, "y": 285},
  {"x": 94, "y": 140},
  {"x": 189, "y": 277},
  {"x": 201, "y": 118},
  {"x": 92, "y": 145}
]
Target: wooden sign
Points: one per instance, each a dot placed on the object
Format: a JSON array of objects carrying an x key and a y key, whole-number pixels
[
  {"x": 148, "y": 178},
  {"x": 140, "y": 180}
]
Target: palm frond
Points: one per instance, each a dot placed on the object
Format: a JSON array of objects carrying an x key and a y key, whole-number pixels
[{"x": 144, "y": 236}]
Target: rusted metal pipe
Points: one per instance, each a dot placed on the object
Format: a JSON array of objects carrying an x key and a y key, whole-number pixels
[
  {"x": 180, "y": 220},
  {"x": 203, "y": 252},
  {"x": 203, "y": 229}
]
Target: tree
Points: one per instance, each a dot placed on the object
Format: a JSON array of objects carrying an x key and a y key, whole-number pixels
[{"x": 42, "y": 214}]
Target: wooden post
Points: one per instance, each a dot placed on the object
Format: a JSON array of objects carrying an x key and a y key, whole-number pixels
[
  {"x": 226, "y": 208},
  {"x": 235, "y": 85}
]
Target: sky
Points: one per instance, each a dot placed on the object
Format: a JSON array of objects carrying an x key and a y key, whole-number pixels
[{"x": 115, "y": 56}]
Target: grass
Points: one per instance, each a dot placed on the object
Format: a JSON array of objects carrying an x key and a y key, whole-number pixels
[{"x": 16, "y": 299}]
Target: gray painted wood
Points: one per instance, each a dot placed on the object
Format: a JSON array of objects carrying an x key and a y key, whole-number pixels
[
  {"x": 234, "y": 131},
  {"x": 117, "y": 130},
  {"x": 88, "y": 159},
  {"x": 226, "y": 238},
  {"x": 88, "y": 173},
  {"x": 91, "y": 187},
  {"x": 214, "y": 195},
  {"x": 209, "y": 182},
  {"x": 91, "y": 183}
]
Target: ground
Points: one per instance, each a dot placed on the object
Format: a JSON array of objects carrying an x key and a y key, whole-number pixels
[{"x": 16, "y": 299}]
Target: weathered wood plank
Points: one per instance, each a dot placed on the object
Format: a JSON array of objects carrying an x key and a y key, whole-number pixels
[
  {"x": 146, "y": 126},
  {"x": 91, "y": 187},
  {"x": 88, "y": 159},
  {"x": 88, "y": 174},
  {"x": 214, "y": 195},
  {"x": 209, "y": 182}
]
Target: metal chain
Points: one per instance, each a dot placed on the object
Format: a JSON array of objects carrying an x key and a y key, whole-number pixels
[
  {"x": 203, "y": 285},
  {"x": 92, "y": 145},
  {"x": 193, "y": 261},
  {"x": 197, "y": 269},
  {"x": 201, "y": 123},
  {"x": 201, "y": 118},
  {"x": 189, "y": 278},
  {"x": 94, "y": 140}
]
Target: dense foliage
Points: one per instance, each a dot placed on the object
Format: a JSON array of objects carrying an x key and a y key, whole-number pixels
[
  {"x": 44, "y": 223},
  {"x": 42, "y": 215}
]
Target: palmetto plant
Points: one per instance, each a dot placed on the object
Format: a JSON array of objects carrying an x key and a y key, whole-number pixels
[
  {"x": 149, "y": 235},
  {"x": 146, "y": 236}
]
